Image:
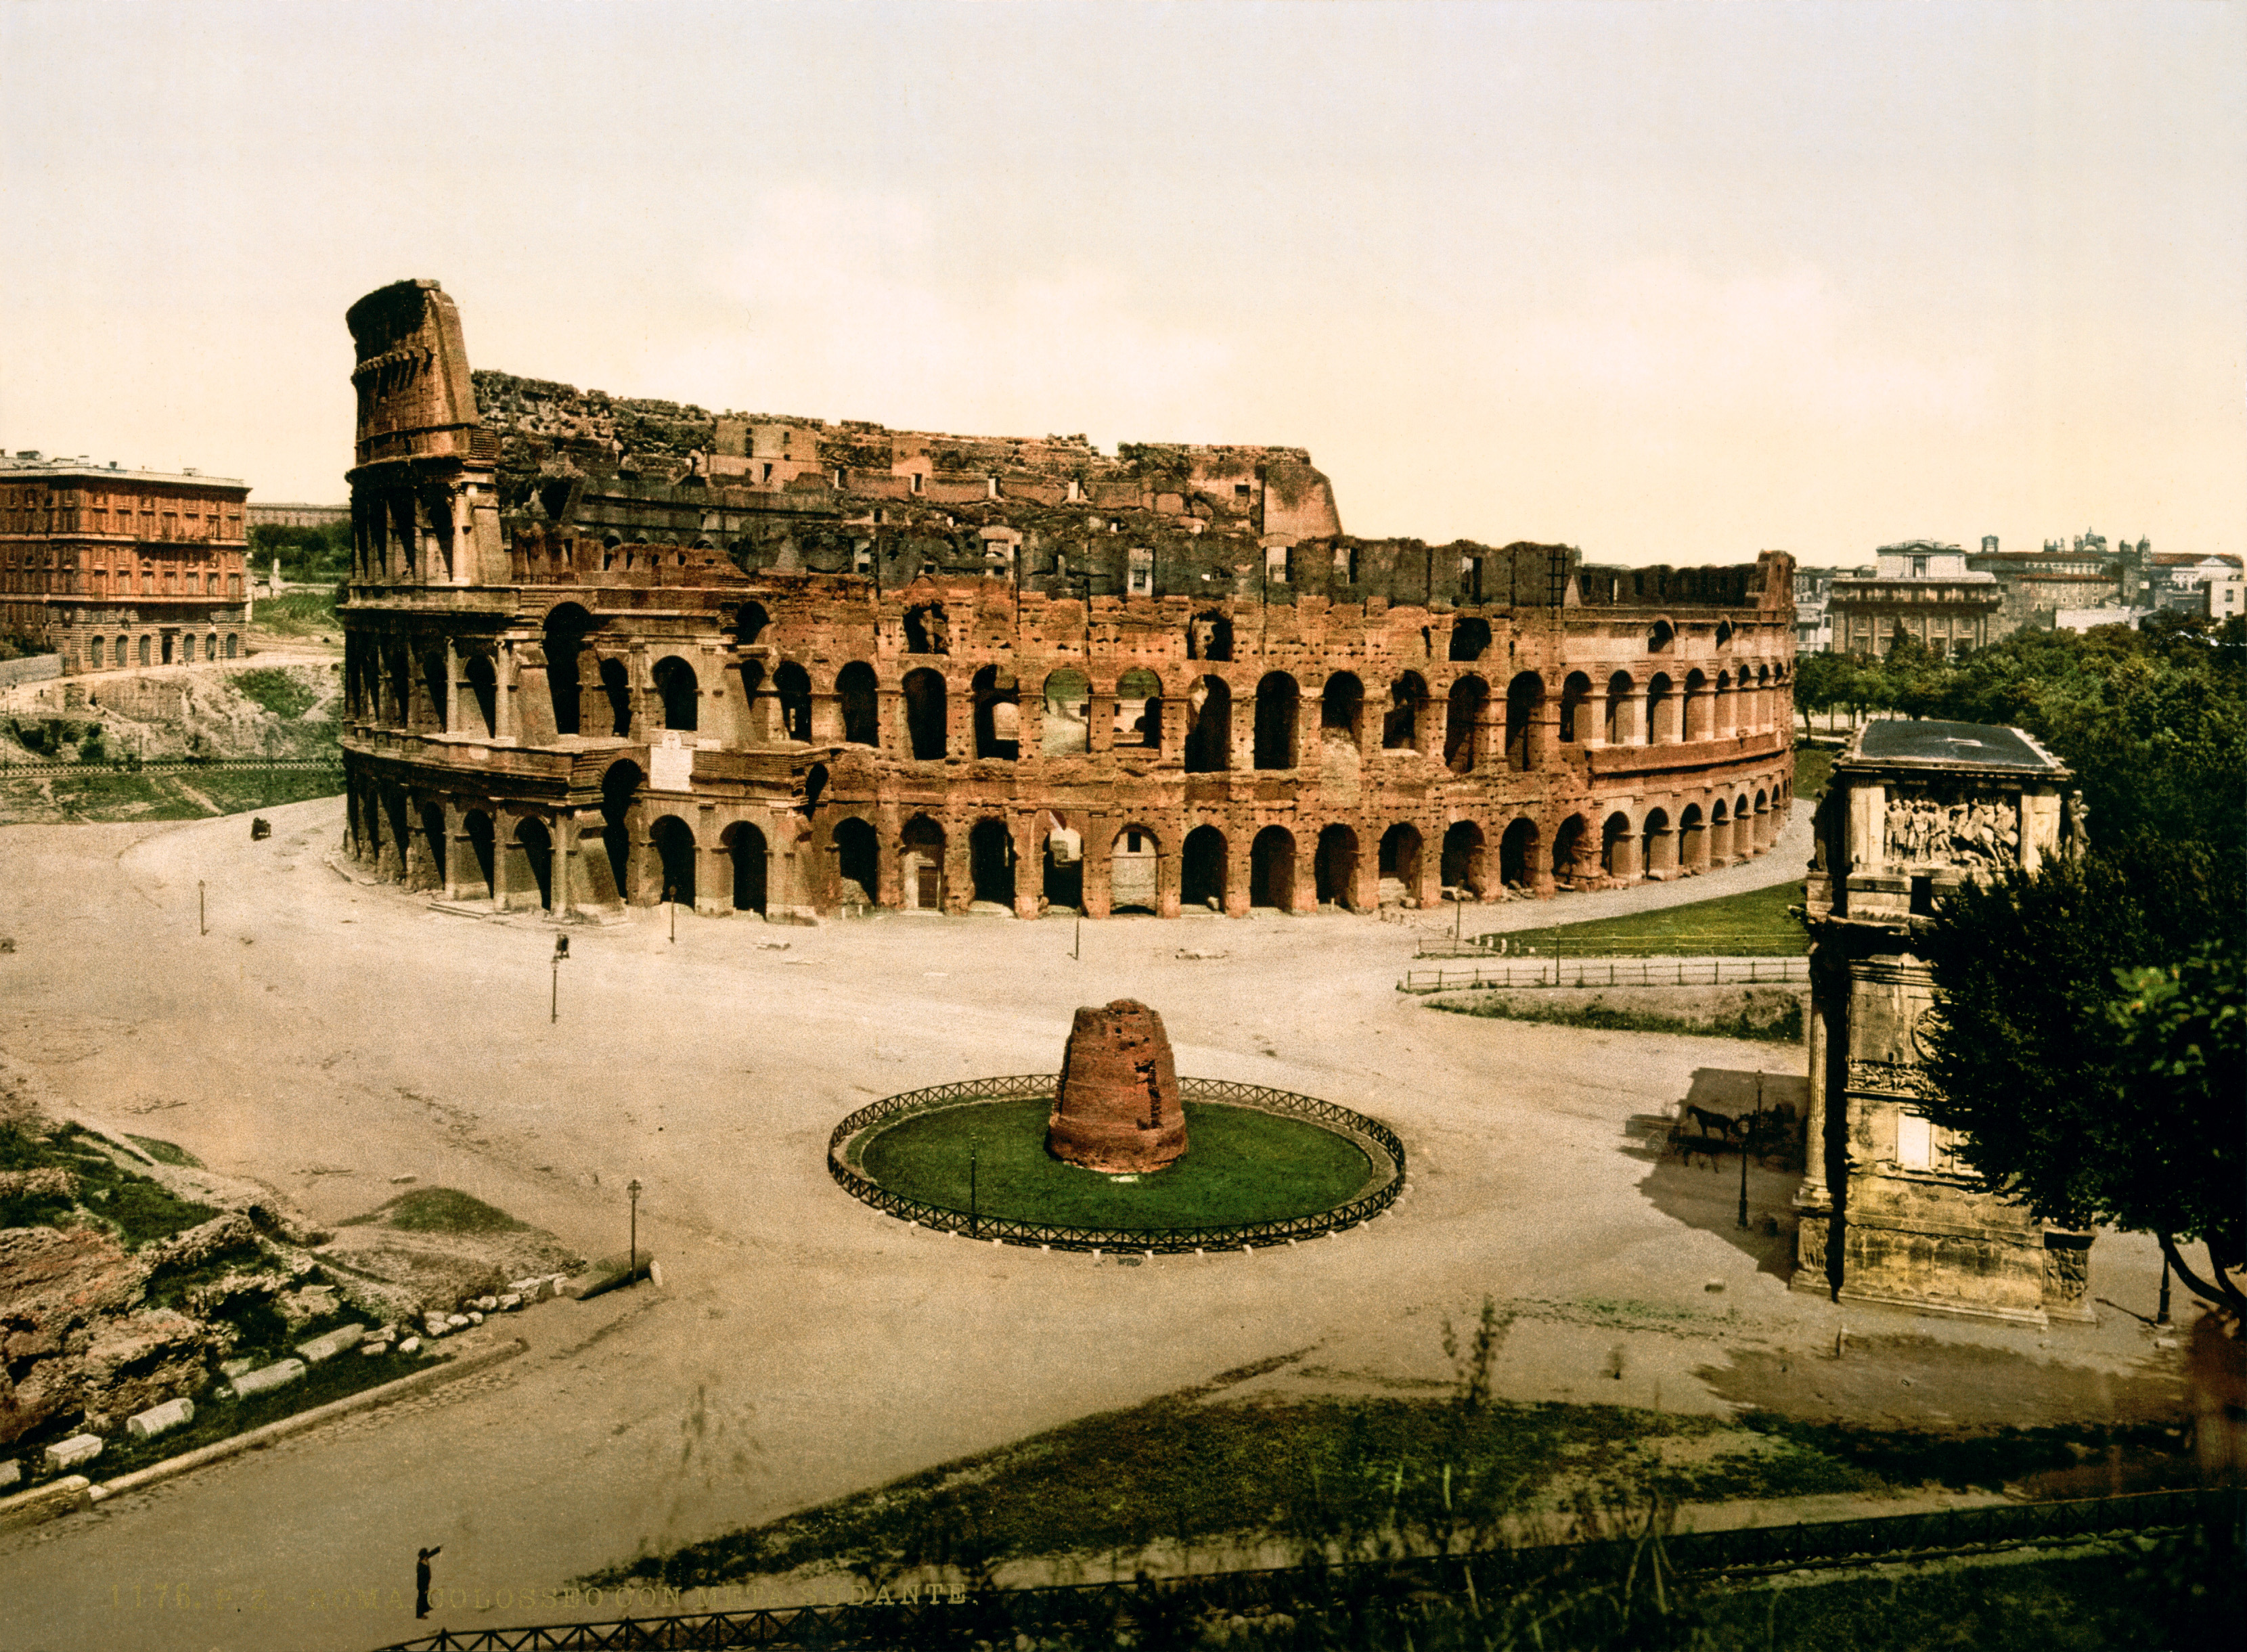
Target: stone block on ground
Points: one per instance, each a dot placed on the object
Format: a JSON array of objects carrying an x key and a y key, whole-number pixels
[
  {"x": 231, "y": 1368},
  {"x": 68, "y": 1454},
  {"x": 326, "y": 1346},
  {"x": 511, "y": 1301},
  {"x": 160, "y": 1419},
  {"x": 10, "y": 1472},
  {"x": 606, "y": 1274},
  {"x": 411, "y": 1345},
  {"x": 280, "y": 1374}
]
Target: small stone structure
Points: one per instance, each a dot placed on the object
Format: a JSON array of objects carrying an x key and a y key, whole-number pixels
[
  {"x": 1117, "y": 1106},
  {"x": 1915, "y": 810}
]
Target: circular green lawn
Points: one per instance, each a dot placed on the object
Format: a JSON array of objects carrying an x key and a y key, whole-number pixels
[{"x": 1241, "y": 1166}]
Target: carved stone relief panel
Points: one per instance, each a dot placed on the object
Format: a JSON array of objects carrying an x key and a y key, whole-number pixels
[{"x": 1926, "y": 828}]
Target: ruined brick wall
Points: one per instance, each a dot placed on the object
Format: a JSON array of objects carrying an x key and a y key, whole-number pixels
[{"x": 1090, "y": 681}]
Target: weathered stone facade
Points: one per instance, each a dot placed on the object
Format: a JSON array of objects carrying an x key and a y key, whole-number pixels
[
  {"x": 599, "y": 649},
  {"x": 1116, "y": 1106},
  {"x": 1914, "y": 810}
]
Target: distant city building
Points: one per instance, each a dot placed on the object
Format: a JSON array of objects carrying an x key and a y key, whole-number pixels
[
  {"x": 1813, "y": 624},
  {"x": 110, "y": 567},
  {"x": 2034, "y": 585},
  {"x": 1919, "y": 589},
  {"x": 2183, "y": 584},
  {"x": 296, "y": 515},
  {"x": 2081, "y": 619}
]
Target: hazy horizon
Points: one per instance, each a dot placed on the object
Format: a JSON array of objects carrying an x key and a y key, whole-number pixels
[{"x": 1671, "y": 282}]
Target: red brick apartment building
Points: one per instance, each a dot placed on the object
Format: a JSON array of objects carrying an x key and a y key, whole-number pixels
[{"x": 108, "y": 567}]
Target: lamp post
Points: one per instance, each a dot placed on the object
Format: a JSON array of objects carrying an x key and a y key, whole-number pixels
[
  {"x": 1743, "y": 1154},
  {"x": 554, "y": 1002},
  {"x": 203, "y": 915},
  {"x": 972, "y": 1205},
  {"x": 632, "y": 1261},
  {"x": 671, "y": 900}
]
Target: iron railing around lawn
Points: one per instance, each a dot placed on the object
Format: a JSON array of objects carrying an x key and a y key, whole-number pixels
[
  {"x": 1371, "y": 1133},
  {"x": 1613, "y": 971}
]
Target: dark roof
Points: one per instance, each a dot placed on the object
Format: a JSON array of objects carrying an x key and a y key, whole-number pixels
[{"x": 1982, "y": 744}]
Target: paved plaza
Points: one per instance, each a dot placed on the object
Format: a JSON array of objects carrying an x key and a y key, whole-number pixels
[{"x": 327, "y": 1037}]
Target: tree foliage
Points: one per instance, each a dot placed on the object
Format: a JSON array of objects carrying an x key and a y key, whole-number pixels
[{"x": 2087, "y": 1037}]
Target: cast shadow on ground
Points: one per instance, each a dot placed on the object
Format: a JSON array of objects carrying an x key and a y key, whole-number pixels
[{"x": 1700, "y": 1186}]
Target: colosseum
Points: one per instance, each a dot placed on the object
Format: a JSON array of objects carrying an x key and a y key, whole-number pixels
[{"x": 603, "y": 652}]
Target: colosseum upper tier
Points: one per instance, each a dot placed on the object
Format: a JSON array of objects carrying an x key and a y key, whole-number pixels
[{"x": 603, "y": 652}]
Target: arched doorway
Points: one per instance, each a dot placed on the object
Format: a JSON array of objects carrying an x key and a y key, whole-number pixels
[
  {"x": 1516, "y": 852},
  {"x": 1661, "y": 845},
  {"x": 673, "y": 842},
  {"x": 1462, "y": 866},
  {"x": 1341, "y": 702},
  {"x": 677, "y": 691},
  {"x": 434, "y": 840},
  {"x": 1139, "y": 709},
  {"x": 792, "y": 689},
  {"x": 1272, "y": 868},
  {"x": 998, "y": 716},
  {"x": 1462, "y": 716},
  {"x": 745, "y": 844},
  {"x": 1575, "y": 718},
  {"x": 859, "y": 695},
  {"x": 1692, "y": 839},
  {"x": 483, "y": 688},
  {"x": 1524, "y": 698},
  {"x": 1570, "y": 843},
  {"x": 1276, "y": 699},
  {"x": 1063, "y": 884},
  {"x": 1400, "y": 864},
  {"x": 1333, "y": 867},
  {"x": 925, "y": 713},
  {"x": 536, "y": 845},
  {"x": 1067, "y": 730},
  {"x": 1661, "y": 709},
  {"x": 1618, "y": 857},
  {"x": 616, "y": 684},
  {"x": 1209, "y": 727},
  {"x": 1134, "y": 863},
  {"x": 620, "y": 785},
  {"x": 920, "y": 866},
  {"x": 1470, "y": 638},
  {"x": 857, "y": 857},
  {"x": 991, "y": 862},
  {"x": 1201, "y": 870},
  {"x": 1621, "y": 690},
  {"x": 478, "y": 826},
  {"x": 1400, "y": 726},
  {"x": 565, "y": 639}
]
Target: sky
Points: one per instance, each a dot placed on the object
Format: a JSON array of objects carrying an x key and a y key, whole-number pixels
[{"x": 1672, "y": 283}]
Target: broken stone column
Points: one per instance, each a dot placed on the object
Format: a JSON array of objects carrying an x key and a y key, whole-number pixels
[
  {"x": 1117, "y": 1108},
  {"x": 160, "y": 1419}
]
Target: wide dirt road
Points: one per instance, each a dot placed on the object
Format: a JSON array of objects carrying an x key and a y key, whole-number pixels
[{"x": 326, "y": 1037}]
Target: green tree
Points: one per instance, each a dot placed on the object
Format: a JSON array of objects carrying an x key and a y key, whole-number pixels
[{"x": 2086, "y": 1047}]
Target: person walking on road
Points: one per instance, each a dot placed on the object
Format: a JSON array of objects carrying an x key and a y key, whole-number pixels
[{"x": 422, "y": 1559}]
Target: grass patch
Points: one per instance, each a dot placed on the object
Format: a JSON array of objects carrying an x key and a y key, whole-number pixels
[
  {"x": 1813, "y": 766},
  {"x": 217, "y": 1419},
  {"x": 1240, "y": 1165},
  {"x": 1780, "y": 1025},
  {"x": 298, "y": 613},
  {"x": 275, "y": 691},
  {"x": 1755, "y": 924},
  {"x": 165, "y": 1152},
  {"x": 75, "y": 798},
  {"x": 1346, "y": 1475},
  {"x": 439, "y": 1210},
  {"x": 138, "y": 1210}
]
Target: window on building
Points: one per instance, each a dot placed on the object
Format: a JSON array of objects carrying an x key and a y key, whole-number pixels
[
  {"x": 1275, "y": 564},
  {"x": 1914, "y": 1142},
  {"x": 1141, "y": 578}
]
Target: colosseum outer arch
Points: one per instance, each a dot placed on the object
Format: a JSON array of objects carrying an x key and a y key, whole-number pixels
[{"x": 603, "y": 652}]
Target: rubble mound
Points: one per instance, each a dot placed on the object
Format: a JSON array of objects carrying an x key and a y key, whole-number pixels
[{"x": 435, "y": 1246}]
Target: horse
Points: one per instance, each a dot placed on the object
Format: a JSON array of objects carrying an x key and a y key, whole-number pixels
[{"x": 1711, "y": 1123}]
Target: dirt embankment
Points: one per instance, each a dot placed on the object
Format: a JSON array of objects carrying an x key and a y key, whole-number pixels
[{"x": 279, "y": 711}]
